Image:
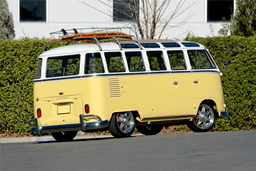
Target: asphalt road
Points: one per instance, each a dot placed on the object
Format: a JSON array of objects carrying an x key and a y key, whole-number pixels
[{"x": 197, "y": 151}]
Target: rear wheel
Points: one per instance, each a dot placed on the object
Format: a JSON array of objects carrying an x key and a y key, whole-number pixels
[
  {"x": 150, "y": 129},
  {"x": 204, "y": 120},
  {"x": 64, "y": 136},
  {"x": 122, "y": 124}
]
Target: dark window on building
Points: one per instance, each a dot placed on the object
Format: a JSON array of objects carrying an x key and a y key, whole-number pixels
[
  {"x": 32, "y": 10},
  {"x": 220, "y": 10},
  {"x": 125, "y": 10}
]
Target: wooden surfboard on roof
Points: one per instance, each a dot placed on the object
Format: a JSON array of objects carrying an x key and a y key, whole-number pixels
[{"x": 89, "y": 36}]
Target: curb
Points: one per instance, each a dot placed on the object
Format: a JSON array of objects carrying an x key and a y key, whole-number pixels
[{"x": 16, "y": 140}]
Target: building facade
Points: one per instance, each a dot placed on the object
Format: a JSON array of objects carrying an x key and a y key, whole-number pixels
[{"x": 37, "y": 18}]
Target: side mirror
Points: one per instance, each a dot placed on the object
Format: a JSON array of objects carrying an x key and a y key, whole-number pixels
[{"x": 225, "y": 63}]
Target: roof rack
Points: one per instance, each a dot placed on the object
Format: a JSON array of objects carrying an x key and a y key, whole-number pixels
[
  {"x": 94, "y": 34},
  {"x": 99, "y": 33}
]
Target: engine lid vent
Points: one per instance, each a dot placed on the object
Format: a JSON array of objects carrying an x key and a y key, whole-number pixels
[{"x": 114, "y": 87}]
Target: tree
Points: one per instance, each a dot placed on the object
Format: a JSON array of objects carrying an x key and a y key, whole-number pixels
[
  {"x": 148, "y": 18},
  {"x": 244, "y": 20},
  {"x": 6, "y": 21}
]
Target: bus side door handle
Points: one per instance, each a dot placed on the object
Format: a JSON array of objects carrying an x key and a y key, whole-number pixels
[
  {"x": 175, "y": 83},
  {"x": 196, "y": 82}
]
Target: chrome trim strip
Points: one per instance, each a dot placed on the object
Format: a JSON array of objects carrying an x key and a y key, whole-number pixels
[
  {"x": 206, "y": 70},
  {"x": 126, "y": 74},
  {"x": 167, "y": 117},
  {"x": 57, "y": 78}
]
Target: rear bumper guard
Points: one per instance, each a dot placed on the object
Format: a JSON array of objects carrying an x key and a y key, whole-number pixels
[
  {"x": 224, "y": 114},
  {"x": 37, "y": 130}
]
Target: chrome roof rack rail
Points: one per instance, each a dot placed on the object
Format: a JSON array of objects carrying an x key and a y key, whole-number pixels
[
  {"x": 137, "y": 40},
  {"x": 97, "y": 41}
]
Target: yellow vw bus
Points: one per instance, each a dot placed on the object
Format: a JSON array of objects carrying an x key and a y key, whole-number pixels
[{"x": 124, "y": 83}]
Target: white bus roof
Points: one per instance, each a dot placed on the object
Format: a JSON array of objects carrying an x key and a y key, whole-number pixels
[
  {"x": 108, "y": 46},
  {"x": 78, "y": 48}
]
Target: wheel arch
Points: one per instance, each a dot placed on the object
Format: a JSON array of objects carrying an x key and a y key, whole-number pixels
[
  {"x": 134, "y": 112},
  {"x": 212, "y": 104}
]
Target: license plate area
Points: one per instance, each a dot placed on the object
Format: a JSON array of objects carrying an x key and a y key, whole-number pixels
[{"x": 63, "y": 109}]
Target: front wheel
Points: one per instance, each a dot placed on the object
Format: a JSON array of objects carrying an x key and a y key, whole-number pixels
[
  {"x": 64, "y": 136},
  {"x": 122, "y": 124},
  {"x": 204, "y": 120},
  {"x": 150, "y": 129}
]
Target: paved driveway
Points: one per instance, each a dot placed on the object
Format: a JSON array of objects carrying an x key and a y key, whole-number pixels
[{"x": 196, "y": 151}]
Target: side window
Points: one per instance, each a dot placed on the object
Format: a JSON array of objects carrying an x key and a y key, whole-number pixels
[
  {"x": 63, "y": 66},
  {"x": 156, "y": 60},
  {"x": 176, "y": 59},
  {"x": 114, "y": 61},
  {"x": 199, "y": 59},
  {"x": 93, "y": 63},
  {"x": 135, "y": 61},
  {"x": 38, "y": 69}
]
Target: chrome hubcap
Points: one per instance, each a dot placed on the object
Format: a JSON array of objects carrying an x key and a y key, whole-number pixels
[
  {"x": 205, "y": 117},
  {"x": 125, "y": 122}
]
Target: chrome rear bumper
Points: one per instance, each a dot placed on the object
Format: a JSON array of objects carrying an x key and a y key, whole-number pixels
[{"x": 37, "y": 130}]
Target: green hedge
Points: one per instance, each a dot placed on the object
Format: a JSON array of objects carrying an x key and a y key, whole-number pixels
[{"x": 18, "y": 59}]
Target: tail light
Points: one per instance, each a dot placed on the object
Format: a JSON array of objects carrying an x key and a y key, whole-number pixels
[
  {"x": 87, "y": 108},
  {"x": 39, "y": 113}
]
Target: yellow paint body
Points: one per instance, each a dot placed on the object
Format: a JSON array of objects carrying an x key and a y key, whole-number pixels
[{"x": 152, "y": 95}]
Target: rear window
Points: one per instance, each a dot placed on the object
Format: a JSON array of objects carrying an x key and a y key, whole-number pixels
[
  {"x": 38, "y": 69},
  {"x": 63, "y": 66}
]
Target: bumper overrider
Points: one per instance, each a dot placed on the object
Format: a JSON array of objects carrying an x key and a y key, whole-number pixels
[
  {"x": 224, "y": 114},
  {"x": 38, "y": 130}
]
